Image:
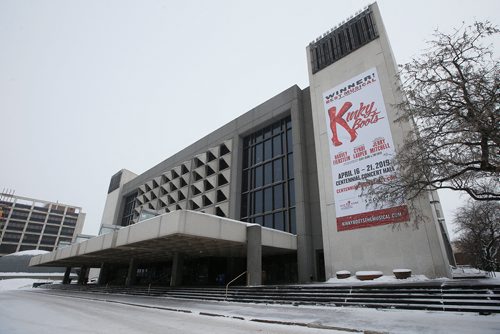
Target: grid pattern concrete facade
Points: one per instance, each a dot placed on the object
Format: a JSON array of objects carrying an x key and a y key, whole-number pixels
[
  {"x": 199, "y": 184},
  {"x": 27, "y": 223}
]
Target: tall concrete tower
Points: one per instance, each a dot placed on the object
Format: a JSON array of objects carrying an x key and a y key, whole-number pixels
[{"x": 353, "y": 87}]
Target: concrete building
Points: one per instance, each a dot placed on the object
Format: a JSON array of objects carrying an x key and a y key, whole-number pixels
[
  {"x": 261, "y": 193},
  {"x": 28, "y": 223}
]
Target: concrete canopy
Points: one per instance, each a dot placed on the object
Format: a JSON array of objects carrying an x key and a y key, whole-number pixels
[{"x": 191, "y": 233}]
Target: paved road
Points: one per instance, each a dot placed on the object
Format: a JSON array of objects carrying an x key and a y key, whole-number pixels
[{"x": 27, "y": 312}]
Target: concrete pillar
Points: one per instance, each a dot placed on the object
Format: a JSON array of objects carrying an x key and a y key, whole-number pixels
[
  {"x": 305, "y": 256},
  {"x": 103, "y": 274},
  {"x": 254, "y": 255},
  {"x": 230, "y": 272},
  {"x": 132, "y": 273},
  {"x": 83, "y": 277},
  {"x": 177, "y": 265},
  {"x": 66, "y": 279}
]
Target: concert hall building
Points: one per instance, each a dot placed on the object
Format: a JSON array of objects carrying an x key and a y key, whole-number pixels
[{"x": 276, "y": 193}]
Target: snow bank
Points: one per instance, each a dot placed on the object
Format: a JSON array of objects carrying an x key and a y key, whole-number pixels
[
  {"x": 343, "y": 272},
  {"x": 31, "y": 252},
  {"x": 383, "y": 279},
  {"x": 466, "y": 272},
  {"x": 368, "y": 273},
  {"x": 18, "y": 283}
]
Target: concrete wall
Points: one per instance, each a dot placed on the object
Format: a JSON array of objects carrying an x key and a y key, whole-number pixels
[
  {"x": 382, "y": 247},
  {"x": 20, "y": 264},
  {"x": 306, "y": 196},
  {"x": 111, "y": 212},
  {"x": 80, "y": 221}
]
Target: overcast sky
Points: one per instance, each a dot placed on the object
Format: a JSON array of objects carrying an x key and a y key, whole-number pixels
[{"x": 90, "y": 87}]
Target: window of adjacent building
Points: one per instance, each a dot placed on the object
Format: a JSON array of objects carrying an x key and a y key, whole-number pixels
[
  {"x": 54, "y": 220},
  {"x": 31, "y": 238},
  {"x": 17, "y": 214},
  {"x": 15, "y": 226},
  {"x": 69, "y": 221},
  {"x": 57, "y": 210},
  {"x": 34, "y": 228},
  {"x": 71, "y": 213},
  {"x": 38, "y": 217},
  {"x": 128, "y": 210},
  {"x": 23, "y": 206},
  {"x": 68, "y": 231},
  {"x": 41, "y": 208},
  {"x": 66, "y": 240},
  {"x": 11, "y": 237},
  {"x": 268, "y": 193},
  {"x": 26, "y": 247},
  {"x": 7, "y": 249},
  {"x": 51, "y": 230},
  {"x": 48, "y": 240}
]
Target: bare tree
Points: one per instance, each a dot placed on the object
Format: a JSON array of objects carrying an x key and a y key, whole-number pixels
[
  {"x": 478, "y": 225},
  {"x": 452, "y": 102}
]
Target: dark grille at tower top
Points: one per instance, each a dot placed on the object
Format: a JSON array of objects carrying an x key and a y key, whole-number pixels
[
  {"x": 115, "y": 182},
  {"x": 342, "y": 41},
  {"x": 268, "y": 187}
]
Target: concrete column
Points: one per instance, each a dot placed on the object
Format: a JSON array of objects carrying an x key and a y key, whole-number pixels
[
  {"x": 177, "y": 265},
  {"x": 83, "y": 277},
  {"x": 230, "y": 272},
  {"x": 66, "y": 279},
  {"x": 254, "y": 255},
  {"x": 103, "y": 274},
  {"x": 132, "y": 273}
]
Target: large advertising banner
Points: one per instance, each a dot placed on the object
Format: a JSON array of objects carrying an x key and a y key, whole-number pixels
[{"x": 361, "y": 149}]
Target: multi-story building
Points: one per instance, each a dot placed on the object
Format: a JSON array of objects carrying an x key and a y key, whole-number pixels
[
  {"x": 28, "y": 223},
  {"x": 277, "y": 190}
]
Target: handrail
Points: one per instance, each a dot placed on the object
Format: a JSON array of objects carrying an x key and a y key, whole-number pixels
[{"x": 227, "y": 285}]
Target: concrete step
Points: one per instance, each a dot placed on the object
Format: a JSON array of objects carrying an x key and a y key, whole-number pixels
[{"x": 481, "y": 299}]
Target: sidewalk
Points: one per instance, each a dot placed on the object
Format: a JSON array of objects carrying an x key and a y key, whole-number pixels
[{"x": 339, "y": 318}]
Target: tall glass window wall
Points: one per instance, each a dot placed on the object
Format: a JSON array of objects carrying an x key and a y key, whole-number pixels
[
  {"x": 128, "y": 210},
  {"x": 268, "y": 187}
]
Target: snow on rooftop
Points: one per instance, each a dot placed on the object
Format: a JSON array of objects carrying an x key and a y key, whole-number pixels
[
  {"x": 31, "y": 252},
  {"x": 21, "y": 274}
]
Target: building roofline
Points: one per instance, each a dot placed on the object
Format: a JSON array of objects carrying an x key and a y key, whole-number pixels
[
  {"x": 220, "y": 133},
  {"x": 4, "y": 196}
]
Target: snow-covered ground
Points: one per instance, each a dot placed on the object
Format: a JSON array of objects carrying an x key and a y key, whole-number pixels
[
  {"x": 51, "y": 311},
  {"x": 18, "y": 284},
  {"x": 22, "y": 312},
  {"x": 30, "y": 274}
]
